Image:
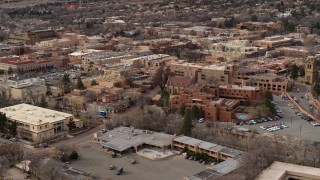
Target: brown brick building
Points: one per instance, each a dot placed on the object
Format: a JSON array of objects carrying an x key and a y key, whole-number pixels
[{"x": 215, "y": 109}]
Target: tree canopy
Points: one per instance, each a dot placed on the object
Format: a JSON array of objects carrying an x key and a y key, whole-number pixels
[
  {"x": 80, "y": 84},
  {"x": 187, "y": 123},
  {"x": 71, "y": 124},
  {"x": 294, "y": 71},
  {"x": 3, "y": 120}
]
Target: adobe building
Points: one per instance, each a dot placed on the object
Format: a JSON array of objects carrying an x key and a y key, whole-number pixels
[
  {"x": 18, "y": 65},
  {"x": 214, "y": 108},
  {"x": 265, "y": 81},
  {"x": 203, "y": 74},
  {"x": 273, "y": 42},
  {"x": 31, "y": 37},
  {"x": 293, "y": 52}
]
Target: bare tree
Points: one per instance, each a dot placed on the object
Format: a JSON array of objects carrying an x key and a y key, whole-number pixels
[
  {"x": 161, "y": 77},
  {"x": 91, "y": 96}
]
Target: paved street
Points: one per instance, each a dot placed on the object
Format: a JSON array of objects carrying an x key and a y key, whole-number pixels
[
  {"x": 303, "y": 92},
  {"x": 80, "y": 139},
  {"x": 308, "y": 132}
]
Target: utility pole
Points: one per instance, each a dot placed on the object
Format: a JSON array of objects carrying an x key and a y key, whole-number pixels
[{"x": 300, "y": 128}]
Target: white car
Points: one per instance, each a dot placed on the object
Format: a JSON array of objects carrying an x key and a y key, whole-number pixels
[
  {"x": 201, "y": 120},
  {"x": 262, "y": 127},
  {"x": 298, "y": 90}
]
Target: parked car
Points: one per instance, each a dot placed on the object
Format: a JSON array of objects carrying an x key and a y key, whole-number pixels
[
  {"x": 119, "y": 171},
  {"x": 263, "y": 127},
  {"x": 269, "y": 118},
  {"x": 111, "y": 167},
  {"x": 201, "y": 120},
  {"x": 132, "y": 161},
  {"x": 27, "y": 176}
]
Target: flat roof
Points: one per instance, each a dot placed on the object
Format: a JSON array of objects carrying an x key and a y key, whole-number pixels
[
  {"x": 84, "y": 52},
  {"x": 33, "y": 115},
  {"x": 280, "y": 170},
  {"x": 208, "y": 145},
  {"x": 218, "y": 170},
  {"x": 233, "y": 86},
  {"x": 123, "y": 138}
]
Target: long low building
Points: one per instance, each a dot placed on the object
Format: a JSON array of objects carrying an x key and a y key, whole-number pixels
[
  {"x": 214, "y": 150},
  {"x": 38, "y": 124},
  {"x": 123, "y": 139}
]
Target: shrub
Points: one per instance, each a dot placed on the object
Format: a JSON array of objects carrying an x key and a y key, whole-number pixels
[{"x": 73, "y": 155}]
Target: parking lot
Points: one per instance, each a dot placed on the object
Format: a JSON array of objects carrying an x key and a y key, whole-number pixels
[
  {"x": 3, "y": 140},
  {"x": 297, "y": 127},
  {"x": 97, "y": 162}
]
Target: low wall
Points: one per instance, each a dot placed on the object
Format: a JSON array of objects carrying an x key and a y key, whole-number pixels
[{"x": 301, "y": 109}]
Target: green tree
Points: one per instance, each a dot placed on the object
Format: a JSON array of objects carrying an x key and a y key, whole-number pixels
[
  {"x": 164, "y": 98},
  {"x": 74, "y": 155},
  {"x": 294, "y": 71},
  {"x": 80, "y": 84},
  {"x": 182, "y": 109},
  {"x": 271, "y": 107},
  {"x": 94, "y": 83},
  {"x": 201, "y": 113},
  {"x": 43, "y": 102},
  {"x": 195, "y": 111},
  {"x": 269, "y": 95},
  {"x": 13, "y": 128},
  {"x": 288, "y": 26},
  {"x": 3, "y": 120},
  {"x": 10, "y": 71},
  {"x": 71, "y": 124},
  {"x": 302, "y": 72},
  {"x": 254, "y": 18},
  {"x": 66, "y": 83},
  {"x": 187, "y": 123}
]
